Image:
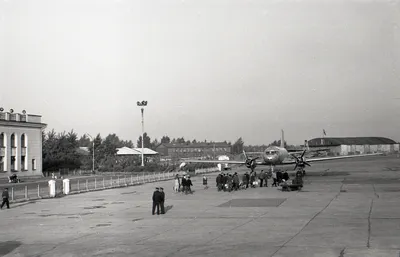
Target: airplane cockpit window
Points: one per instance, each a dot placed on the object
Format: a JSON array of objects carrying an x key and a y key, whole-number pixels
[{"x": 271, "y": 152}]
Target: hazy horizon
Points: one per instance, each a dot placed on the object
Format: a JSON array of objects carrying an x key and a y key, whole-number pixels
[{"x": 215, "y": 70}]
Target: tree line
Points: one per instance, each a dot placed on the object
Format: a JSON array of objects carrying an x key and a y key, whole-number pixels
[{"x": 61, "y": 151}]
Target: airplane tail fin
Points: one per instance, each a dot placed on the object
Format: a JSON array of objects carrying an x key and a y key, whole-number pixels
[{"x": 282, "y": 139}]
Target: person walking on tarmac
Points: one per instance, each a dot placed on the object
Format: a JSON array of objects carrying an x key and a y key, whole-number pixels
[
  {"x": 162, "y": 200},
  {"x": 188, "y": 185},
  {"x": 156, "y": 201},
  {"x": 205, "y": 181},
  {"x": 5, "y": 197},
  {"x": 263, "y": 176}
]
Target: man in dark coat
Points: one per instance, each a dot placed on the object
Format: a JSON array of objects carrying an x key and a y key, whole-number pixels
[
  {"x": 162, "y": 200},
  {"x": 5, "y": 197},
  {"x": 218, "y": 180},
  {"x": 285, "y": 176},
  {"x": 183, "y": 183},
  {"x": 189, "y": 184},
  {"x": 157, "y": 197},
  {"x": 246, "y": 179}
]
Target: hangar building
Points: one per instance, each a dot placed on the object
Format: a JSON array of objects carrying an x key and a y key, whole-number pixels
[{"x": 355, "y": 145}]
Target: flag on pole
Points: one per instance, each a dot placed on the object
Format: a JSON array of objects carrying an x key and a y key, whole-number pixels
[{"x": 324, "y": 132}]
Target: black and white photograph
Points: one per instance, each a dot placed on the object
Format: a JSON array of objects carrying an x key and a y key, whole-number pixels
[{"x": 190, "y": 128}]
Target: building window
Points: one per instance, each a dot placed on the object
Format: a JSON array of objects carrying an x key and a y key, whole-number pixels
[
  {"x": 33, "y": 164},
  {"x": 13, "y": 141},
  {"x": 2, "y": 140},
  {"x": 23, "y": 140},
  {"x": 12, "y": 163},
  {"x": 23, "y": 163},
  {"x": 1, "y": 163}
]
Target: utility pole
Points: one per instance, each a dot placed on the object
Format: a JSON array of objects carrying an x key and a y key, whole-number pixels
[{"x": 92, "y": 153}]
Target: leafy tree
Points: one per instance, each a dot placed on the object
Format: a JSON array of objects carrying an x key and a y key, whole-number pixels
[
  {"x": 237, "y": 147},
  {"x": 180, "y": 140},
  {"x": 127, "y": 143},
  {"x": 277, "y": 143},
  {"x": 146, "y": 142},
  {"x": 165, "y": 140},
  {"x": 59, "y": 151},
  {"x": 84, "y": 141},
  {"x": 194, "y": 141},
  {"x": 154, "y": 144}
]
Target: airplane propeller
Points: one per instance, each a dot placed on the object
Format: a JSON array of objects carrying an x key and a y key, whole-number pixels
[
  {"x": 250, "y": 162},
  {"x": 301, "y": 161}
]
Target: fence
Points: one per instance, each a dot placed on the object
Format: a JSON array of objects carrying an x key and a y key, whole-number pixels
[{"x": 41, "y": 190}]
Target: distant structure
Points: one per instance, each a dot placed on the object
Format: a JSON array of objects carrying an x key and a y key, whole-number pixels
[
  {"x": 20, "y": 143},
  {"x": 354, "y": 145},
  {"x": 193, "y": 150},
  {"x": 136, "y": 153}
]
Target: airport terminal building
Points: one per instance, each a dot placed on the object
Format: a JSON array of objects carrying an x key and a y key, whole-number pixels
[
  {"x": 355, "y": 145},
  {"x": 20, "y": 144}
]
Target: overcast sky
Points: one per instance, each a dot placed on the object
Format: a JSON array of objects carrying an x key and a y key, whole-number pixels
[{"x": 209, "y": 69}]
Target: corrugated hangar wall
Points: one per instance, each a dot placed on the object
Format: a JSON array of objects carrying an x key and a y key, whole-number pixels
[{"x": 363, "y": 149}]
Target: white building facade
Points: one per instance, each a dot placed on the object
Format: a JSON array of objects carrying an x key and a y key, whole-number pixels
[{"x": 20, "y": 144}]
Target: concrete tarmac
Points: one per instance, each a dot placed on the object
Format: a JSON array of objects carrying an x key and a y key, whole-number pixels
[{"x": 346, "y": 209}]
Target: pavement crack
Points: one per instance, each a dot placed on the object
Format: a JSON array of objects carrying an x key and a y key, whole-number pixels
[
  {"x": 342, "y": 252},
  {"x": 318, "y": 213},
  {"x": 369, "y": 223},
  {"x": 376, "y": 194}
]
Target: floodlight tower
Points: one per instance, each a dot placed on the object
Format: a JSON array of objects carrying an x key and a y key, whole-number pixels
[{"x": 142, "y": 104}]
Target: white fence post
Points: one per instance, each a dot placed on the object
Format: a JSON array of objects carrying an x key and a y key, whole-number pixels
[
  {"x": 38, "y": 190},
  {"x": 26, "y": 192},
  {"x": 95, "y": 183}
]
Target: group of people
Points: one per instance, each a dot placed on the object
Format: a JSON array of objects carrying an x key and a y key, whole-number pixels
[
  {"x": 229, "y": 182},
  {"x": 183, "y": 184},
  {"x": 158, "y": 201}
]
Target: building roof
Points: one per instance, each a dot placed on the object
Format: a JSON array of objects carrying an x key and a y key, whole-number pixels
[
  {"x": 135, "y": 151},
  {"x": 83, "y": 150},
  {"x": 146, "y": 151},
  {"x": 350, "y": 141},
  {"x": 196, "y": 145}
]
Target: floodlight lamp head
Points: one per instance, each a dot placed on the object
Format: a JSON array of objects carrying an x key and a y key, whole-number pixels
[
  {"x": 11, "y": 110},
  {"x": 1, "y": 109}
]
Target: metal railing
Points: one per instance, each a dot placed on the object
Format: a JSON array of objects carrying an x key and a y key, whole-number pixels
[{"x": 41, "y": 190}]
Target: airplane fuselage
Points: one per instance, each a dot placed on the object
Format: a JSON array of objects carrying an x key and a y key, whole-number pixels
[{"x": 274, "y": 155}]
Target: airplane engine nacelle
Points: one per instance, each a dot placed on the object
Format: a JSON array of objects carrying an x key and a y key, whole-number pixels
[{"x": 250, "y": 163}]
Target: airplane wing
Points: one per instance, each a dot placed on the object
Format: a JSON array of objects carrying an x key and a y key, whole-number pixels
[
  {"x": 332, "y": 158},
  {"x": 217, "y": 161}
]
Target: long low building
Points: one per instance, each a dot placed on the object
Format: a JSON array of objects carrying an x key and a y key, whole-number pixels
[
  {"x": 194, "y": 149},
  {"x": 355, "y": 145}
]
